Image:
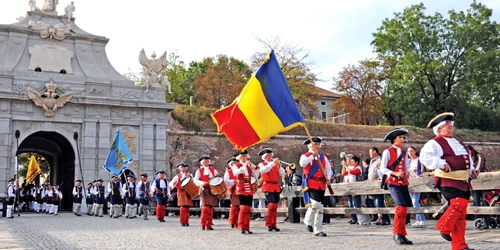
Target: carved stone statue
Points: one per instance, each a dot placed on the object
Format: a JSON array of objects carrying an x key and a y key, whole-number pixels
[
  {"x": 33, "y": 7},
  {"x": 49, "y": 100},
  {"x": 58, "y": 31},
  {"x": 49, "y": 5},
  {"x": 153, "y": 70},
  {"x": 68, "y": 11}
]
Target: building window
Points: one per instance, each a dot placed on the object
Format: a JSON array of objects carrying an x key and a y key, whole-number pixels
[
  {"x": 323, "y": 103},
  {"x": 323, "y": 116}
]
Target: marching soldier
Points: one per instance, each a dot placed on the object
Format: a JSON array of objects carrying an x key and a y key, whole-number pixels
[
  {"x": 143, "y": 195},
  {"x": 48, "y": 198},
  {"x": 271, "y": 172},
  {"x": 208, "y": 200},
  {"x": 11, "y": 193},
  {"x": 315, "y": 183},
  {"x": 115, "y": 192},
  {"x": 56, "y": 199},
  {"x": 230, "y": 181},
  {"x": 184, "y": 200},
  {"x": 162, "y": 193},
  {"x": 395, "y": 165},
  {"x": 130, "y": 198},
  {"x": 454, "y": 168},
  {"x": 43, "y": 194},
  {"x": 89, "y": 198},
  {"x": 77, "y": 197},
  {"x": 99, "y": 193},
  {"x": 243, "y": 171}
]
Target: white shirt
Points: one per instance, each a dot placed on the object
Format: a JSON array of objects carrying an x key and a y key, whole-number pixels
[
  {"x": 206, "y": 172},
  {"x": 131, "y": 185},
  {"x": 76, "y": 192},
  {"x": 270, "y": 165},
  {"x": 58, "y": 193},
  {"x": 243, "y": 170},
  {"x": 431, "y": 153},
  {"x": 109, "y": 188},
  {"x": 386, "y": 156},
  {"x": 174, "y": 180},
  {"x": 163, "y": 184},
  {"x": 139, "y": 185},
  {"x": 306, "y": 160},
  {"x": 10, "y": 191},
  {"x": 227, "y": 180}
]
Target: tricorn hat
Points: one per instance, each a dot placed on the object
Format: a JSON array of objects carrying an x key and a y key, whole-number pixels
[
  {"x": 130, "y": 176},
  {"x": 100, "y": 180},
  {"x": 395, "y": 133},
  {"x": 314, "y": 139},
  {"x": 160, "y": 172},
  {"x": 182, "y": 164},
  {"x": 144, "y": 175},
  {"x": 204, "y": 157},
  {"x": 448, "y": 116},
  {"x": 78, "y": 181},
  {"x": 265, "y": 151},
  {"x": 231, "y": 160},
  {"x": 114, "y": 176},
  {"x": 244, "y": 152}
]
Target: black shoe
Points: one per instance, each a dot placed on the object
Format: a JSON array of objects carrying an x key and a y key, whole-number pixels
[
  {"x": 100, "y": 215},
  {"x": 309, "y": 228},
  {"x": 202, "y": 228},
  {"x": 243, "y": 231},
  {"x": 385, "y": 223},
  {"x": 349, "y": 222},
  {"x": 126, "y": 216},
  {"x": 276, "y": 229},
  {"x": 162, "y": 220},
  {"x": 467, "y": 248},
  {"x": 78, "y": 215},
  {"x": 353, "y": 222},
  {"x": 286, "y": 219},
  {"x": 320, "y": 234},
  {"x": 130, "y": 217},
  {"x": 399, "y": 239},
  {"x": 249, "y": 232},
  {"x": 446, "y": 236},
  {"x": 232, "y": 225},
  {"x": 97, "y": 215},
  {"x": 187, "y": 225},
  {"x": 407, "y": 241},
  {"x": 270, "y": 229},
  {"x": 210, "y": 228},
  {"x": 145, "y": 219},
  {"x": 133, "y": 217}
]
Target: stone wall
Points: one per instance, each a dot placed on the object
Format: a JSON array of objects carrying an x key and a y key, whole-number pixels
[{"x": 189, "y": 146}]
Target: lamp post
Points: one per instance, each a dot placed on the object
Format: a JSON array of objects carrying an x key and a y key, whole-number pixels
[{"x": 17, "y": 134}]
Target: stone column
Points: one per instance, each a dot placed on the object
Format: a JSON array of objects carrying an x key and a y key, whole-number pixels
[{"x": 6, "y": 168}]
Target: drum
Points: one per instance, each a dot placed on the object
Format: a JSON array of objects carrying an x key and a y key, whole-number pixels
[
  {"x": 217, "y": 185},
  {"x": 253, "y": 181},
  {"x": 188, "y": 185}
]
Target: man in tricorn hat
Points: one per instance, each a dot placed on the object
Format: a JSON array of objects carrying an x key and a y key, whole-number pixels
[
  {"x": 143, "y": 195},
  {"x": 271, "y": 172},
  {"x": 130, "y": 197},
  {"x": 90, "y": 198},
  {"x": 395, "y": 166},
  {"x": 99, "y": 193},
  {"x": 230, "y": 181},
  {"x": 184, "y": 200},
  {"x": 162, "y": 193},
  {"x": 208, "y": 200},
  {"x": 11, "y": 193},
  {"x": 453, "y": 169},
  {"x": 78, "y": 195},
  {"x": 243, "y": 171},
  {"x": 115, "y": 191}
]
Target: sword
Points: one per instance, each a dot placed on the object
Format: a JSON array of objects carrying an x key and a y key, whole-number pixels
[{"x": 441, "y": 209}]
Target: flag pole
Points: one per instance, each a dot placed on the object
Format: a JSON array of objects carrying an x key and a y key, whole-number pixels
[{"x": 330, "y": 189}]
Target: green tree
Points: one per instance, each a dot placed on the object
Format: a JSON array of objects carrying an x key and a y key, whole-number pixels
[
  {"x": 297, "y": 69},
  {"x": 438, "y": 64},
  {"x": 180, "y": 79}
]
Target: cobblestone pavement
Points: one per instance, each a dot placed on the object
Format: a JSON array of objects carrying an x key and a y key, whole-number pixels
[{"x": 66, "y": 231}]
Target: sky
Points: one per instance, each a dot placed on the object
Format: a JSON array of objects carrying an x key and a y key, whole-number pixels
[{"x": 334, "y": 33}]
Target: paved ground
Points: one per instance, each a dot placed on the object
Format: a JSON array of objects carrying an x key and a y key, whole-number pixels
[{"x": 66, "y": 231}]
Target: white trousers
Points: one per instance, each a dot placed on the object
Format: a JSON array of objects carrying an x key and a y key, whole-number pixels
[{"x": 314, "y": 216}]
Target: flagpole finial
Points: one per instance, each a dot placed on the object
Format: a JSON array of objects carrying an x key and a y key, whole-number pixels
[{"x": 268, "y": 57}]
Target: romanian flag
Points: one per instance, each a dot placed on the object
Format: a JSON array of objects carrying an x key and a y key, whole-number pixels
[
  {"x": 264, "y": 108},
  {"x": 33, "y": 169}
]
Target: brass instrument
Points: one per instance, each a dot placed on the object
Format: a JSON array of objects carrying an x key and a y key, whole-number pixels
[
  {"x": 291, "y": 165},
  {"x": 253, "y": 167}
]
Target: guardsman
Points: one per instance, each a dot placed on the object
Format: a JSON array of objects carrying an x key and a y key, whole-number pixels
[
  {"x": 89, "y": 198},
  {"x": 395, "y": 165},
  {"x": 271, "y": 172},
  {"x": 99, "y": 192},
  {"x": 78, "y": 195},
  {"x": 184, "y": 200},
  {"x": 230, "y": 181},
  {"x": 315, "y": 183},
  {"x": 208, "y": 200},
  {"x": 56, "y": 199},
  {"x": 453, "y": 170},
  {"x": 114, "y": 191},
  {"x": 11, "y": 193},
  {"x": 143, "y": 194},
  {"x": 243, "y": 171},
  {"x": 162, "y": 193},
  {"x": 48, "y": 198},
  {"x": 130, "y": 198}
]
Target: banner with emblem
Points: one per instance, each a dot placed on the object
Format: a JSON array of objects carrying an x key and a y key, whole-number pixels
[
  {"x": 119, "y": 155},
  {"x": 33, "y": 169}
]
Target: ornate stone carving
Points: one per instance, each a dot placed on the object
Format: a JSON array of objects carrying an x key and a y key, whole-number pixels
[
  {"x": 33, "y": 7},
  {"x": 50, "y": 100},
  {"x": 58, "y": 31},
  {"x": 117, "y": 112},
  {"x": 68, "y": 11},
  {"x": 50, "y": 6},
  {"x": 20, "y": 106},
  {"x": 5, "y": 84},
  {"x": 127, "y": 93},
  {"x": 98, "y": 111},
  {"x": 97, "y": 91},
  {"x": 153, "y": 71},
  {"x": 69, "y": 128},
  {"x": 50, "y": 58}
]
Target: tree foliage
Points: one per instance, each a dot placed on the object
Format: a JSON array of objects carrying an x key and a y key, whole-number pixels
[
  {"x": 297, "y": 69},
  {"x": 439, "y": 64},
  {"x": 220, "y": 80},
  {"x": 361, "y": 91}
]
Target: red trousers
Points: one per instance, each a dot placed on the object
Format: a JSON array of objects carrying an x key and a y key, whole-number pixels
[
  {"x": 184, "y": 215},
  {"x": 233, "y": 215},
  {"x": 272, "y": 215},
  {"x": 160, "y": 212},
  {"x": 244, "y": 217},
  {"x": 207, "y": 214},
  {"x": 399, "y": 226},
  {"x": 453, "y": 222}
]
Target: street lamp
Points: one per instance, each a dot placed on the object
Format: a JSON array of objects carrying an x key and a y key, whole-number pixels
[{"x": 17, "y": 134}]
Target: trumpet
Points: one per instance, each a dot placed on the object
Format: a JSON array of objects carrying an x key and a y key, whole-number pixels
[
  {"x": 291, "y": 165},
  {"x": 253, "y": 167}
]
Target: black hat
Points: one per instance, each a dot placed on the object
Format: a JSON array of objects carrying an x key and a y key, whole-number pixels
[
  {"x": 244, "y": 152},
  {"x": 231, "y": 160},
  {"x": 11, "y": 180},
  {"x": 100, "y": 180},
  {"x": 182, "y": 164},
  {"x": 90, "y": 183},
  {"x": 144, "y": 175},
  {"x": 130, "y": 176},
  {"x": 314, "y": 139},
  {"x": 395, "y": 133},
  {"x": 78, "y": 181},
  {"x": 204, "y": 157},
  {"x": 160, "y": 172},
  {"x": 265, "y": 151},
  {"x": 448, "y": 116}
]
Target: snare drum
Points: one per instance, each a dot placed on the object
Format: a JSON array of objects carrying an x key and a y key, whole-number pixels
[
  {"x": 217, "y": 185},
  {"x": 253, "y": 182},
  {"x": 188, "y": 185}
]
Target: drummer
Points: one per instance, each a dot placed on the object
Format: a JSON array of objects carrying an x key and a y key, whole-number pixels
[
  {"x": 230, "y": 181},
  {"x": 208, "y": 200},
  {"x": 184, "y": 200},
  {"x": 243, "y": 172},
  {"x": 271, "y": 172}
]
